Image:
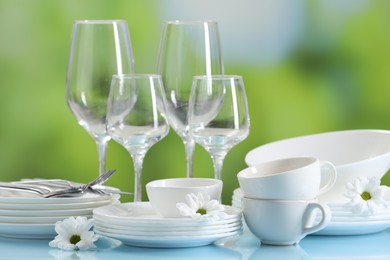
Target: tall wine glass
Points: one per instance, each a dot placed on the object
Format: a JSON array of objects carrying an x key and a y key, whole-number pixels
[
  {"x": 98, "y": 49},
  {"x": 218, "y": 115},
  {"x": 136, "y": 117},
  {"x": 187, "y": 48}
]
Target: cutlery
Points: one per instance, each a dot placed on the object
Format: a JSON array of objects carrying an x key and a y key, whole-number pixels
[{"x": 46, "y": 192}]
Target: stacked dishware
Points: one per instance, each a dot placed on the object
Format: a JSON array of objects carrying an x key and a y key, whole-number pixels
[
  {"x": 280, "y": 198},
  {"x": 137, "y": 224},
  {"x": 159, "y": 223},
  {"x": 359, "y": 156},
  {"x": 28, "y": 215},
  {"x": 345, "y": 221}
]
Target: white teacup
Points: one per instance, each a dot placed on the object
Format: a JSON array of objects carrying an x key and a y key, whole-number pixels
[
  {"x": 292, "y": 178},
  {"x": 283, "y": 222},
  {"x": 165, "y": 194}
]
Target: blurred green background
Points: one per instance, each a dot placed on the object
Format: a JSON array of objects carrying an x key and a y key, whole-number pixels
[{"x": 309, "y": 66}]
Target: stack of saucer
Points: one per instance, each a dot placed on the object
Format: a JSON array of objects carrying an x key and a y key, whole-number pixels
[
  {"x": 345, "y": 222},
  {"x": 25, "y": 215},
  {"x": 137, "y": 224}
]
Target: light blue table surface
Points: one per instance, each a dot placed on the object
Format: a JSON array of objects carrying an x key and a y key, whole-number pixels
[{"x": 245, "y": 246}]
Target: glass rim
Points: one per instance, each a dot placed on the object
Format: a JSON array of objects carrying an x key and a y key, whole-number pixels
[
  {"x": 99, "y": 21},
  {"x": 189, "y": 21},
  {"x": 136, "y": 76}
]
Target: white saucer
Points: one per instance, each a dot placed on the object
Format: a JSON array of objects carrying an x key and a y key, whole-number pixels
[
  {"x": 171, "y": 227},
  {"x": 142, "y": 213},
  {"x": 172, "y": 233},
  {"x": 169, "y": 242}
]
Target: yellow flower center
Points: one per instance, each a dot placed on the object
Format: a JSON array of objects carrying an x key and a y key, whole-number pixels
[
  {"x": 366, "y": 195},
  {"x": 74, "y": 239},
  {"x": 201, "y": 211}
]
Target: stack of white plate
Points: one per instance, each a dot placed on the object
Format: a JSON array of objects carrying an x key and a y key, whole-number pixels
[
  {"x": 137, "y": 224},
  {"x": 345, "y": 222},
  {"x": 25, "y": 215}
]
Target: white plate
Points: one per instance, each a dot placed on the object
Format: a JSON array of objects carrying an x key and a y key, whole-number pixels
[
  {"x": 168, "y": 242},
  {"x": 161, "y": 224},
  {"x": 7, "y": 197},
  {"x": 60, "y": 206},
  {"x": 354, "y": 228},
  {"x": 173, "y": 233},
  {"x": 152, "y": 228},
  {"x": 35, "y": 220},
  {"x": 46, "y": 213},
  {"x": 360, "y": 218},
  {"x": 142, "y": 213},
  {"x": 27, "y": 231}
]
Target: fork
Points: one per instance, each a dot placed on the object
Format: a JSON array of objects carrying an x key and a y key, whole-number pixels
[{"x": 69, "y": 192}]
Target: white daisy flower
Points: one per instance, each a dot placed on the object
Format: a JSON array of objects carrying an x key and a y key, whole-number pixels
[
  {"x": 74, "y": 234},
  {"x": 366, "y": 195},
  {"x": 199, "y": 206}
]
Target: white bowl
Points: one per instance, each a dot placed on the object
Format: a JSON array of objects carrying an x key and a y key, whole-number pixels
[
  {"x": 354, "y": 153},
  {"x": 164, "y": 194}
]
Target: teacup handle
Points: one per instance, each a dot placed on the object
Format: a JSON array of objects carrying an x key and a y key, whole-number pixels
[
  {"x": 331, "y": 169},
  {"x": 308, "y": 219}
]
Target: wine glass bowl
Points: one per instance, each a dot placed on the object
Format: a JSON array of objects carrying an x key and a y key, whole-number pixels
[
  {"x": 218, "y": 115},
  {"x": 187, "y": 48},
  {"x": 98, "y": 49},
  {"x": 136, "y": 117}
]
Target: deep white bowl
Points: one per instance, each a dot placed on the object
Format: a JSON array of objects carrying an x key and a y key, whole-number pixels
[
  {"x": 164, "y": 194},
  {"x": 354, "y": 153}
]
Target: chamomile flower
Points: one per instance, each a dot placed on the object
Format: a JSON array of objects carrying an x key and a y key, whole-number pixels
[
  {"x": 199, "y": 206},
  {"x": 74, "y": 234},
  {"x": 366, "y": 195}
]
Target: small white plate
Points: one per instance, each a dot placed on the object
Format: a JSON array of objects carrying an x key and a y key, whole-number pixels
[
  {"x": 46, "y": 213},
  {"x": 142, "y": 213},
  {"x": 27, "y": 231},
  {"x": 359, "y": 218},
  {"x": 161, "y": 224},
  {"x": 173, "y": 233},
  {"x": 169, "y": 242},
  {"x": 173, "y": 227},
  {"x": 35, "y": 220},
  {"x": 59, "y": 206},
  {"x": 12, "y": 197}
]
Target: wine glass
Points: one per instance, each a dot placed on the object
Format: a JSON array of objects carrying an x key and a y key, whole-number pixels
[
  {"x": 136, "y": 117},
  {"x": 187, "y": 48},
  {"x": 98, "y": 49},
  {"x": 218, "y": 115}
]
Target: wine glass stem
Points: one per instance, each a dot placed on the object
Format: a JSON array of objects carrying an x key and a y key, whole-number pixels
[
  {"x": 102, "y": 149},
  {"x": 189, "y": 146},
  {"x": 138, "y": 162},
  {"x": 218, "y": 163}
]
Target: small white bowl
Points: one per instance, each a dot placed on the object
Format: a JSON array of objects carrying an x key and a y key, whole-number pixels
[
  {"x": 353, "y": 152},
  {"x": 164, "y": 194}
]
